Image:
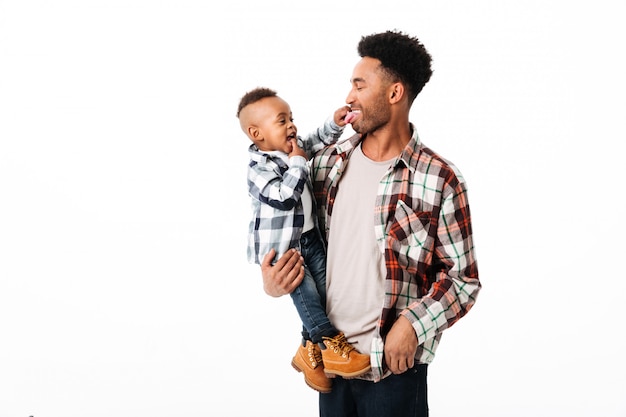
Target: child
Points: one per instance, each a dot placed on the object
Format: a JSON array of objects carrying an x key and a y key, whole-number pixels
[{"x": 283, "y": 218}]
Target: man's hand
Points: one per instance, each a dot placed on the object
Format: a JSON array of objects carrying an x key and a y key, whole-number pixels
[
  {"x": 285, "y": 275},
  {"x": 400, "y": 346}
]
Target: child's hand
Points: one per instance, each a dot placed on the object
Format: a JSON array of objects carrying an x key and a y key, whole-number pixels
[
  {"x": 296, "y": 150},
  {"x": 340, "y": 115}
]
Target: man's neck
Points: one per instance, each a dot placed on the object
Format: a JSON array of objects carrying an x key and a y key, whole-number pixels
[{"x": 386, "y": 143}]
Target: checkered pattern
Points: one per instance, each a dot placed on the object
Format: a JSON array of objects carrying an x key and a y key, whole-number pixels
[
  {"x": 423, "y": 227},
  {"x": 275, "y": 184}
]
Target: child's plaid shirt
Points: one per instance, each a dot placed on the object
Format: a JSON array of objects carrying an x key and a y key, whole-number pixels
[{"x": 275, "y": 184}]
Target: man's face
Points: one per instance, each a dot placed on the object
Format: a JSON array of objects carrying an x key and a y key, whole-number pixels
[{"x": 368, "y": 96}]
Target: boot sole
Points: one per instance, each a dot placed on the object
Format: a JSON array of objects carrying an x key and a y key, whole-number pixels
[
  {"x": 331, "y": 373},
  {"x": 309, "y": 383}
]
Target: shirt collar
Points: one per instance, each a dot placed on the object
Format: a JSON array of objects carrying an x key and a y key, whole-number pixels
[
  {"x": 263, "y": 156},
  {"x": 409, "y": 152}
]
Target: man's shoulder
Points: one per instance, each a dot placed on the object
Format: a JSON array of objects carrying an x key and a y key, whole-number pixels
[{"x": 431, "y": 162}]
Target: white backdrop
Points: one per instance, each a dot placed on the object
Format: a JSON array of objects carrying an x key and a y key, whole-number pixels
[{"x": 124, "y": 288}]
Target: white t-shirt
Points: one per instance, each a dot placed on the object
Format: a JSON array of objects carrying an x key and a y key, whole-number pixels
[
  {"x": 307, "y": 206},
  {"x": 356, "y": 266}
]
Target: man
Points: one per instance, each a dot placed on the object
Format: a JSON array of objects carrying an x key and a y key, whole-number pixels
[{"x": 401, "y": 266}]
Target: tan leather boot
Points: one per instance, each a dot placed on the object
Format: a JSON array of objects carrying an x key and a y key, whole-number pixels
[
  {"x": 308, "y": 360},
  {"x": 341, "y": 358}
]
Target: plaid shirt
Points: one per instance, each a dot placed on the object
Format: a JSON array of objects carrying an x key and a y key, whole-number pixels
[
  {"x": 275, "y": 188},
  {"x": 422, "y": 225}
]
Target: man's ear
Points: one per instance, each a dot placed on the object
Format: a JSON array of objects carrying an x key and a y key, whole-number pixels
[{"x": 396, "y": 92}]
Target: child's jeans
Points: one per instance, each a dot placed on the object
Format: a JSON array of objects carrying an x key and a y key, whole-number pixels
[{"x": 310, "y": 296}]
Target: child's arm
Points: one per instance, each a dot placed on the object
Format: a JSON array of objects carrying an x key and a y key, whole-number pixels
[
  {"x": 327, "y": 134},
  {"x": 279, "y": 191}
]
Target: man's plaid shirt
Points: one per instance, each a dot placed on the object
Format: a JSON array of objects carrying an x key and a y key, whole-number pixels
[{"x": 422, "y": 225}]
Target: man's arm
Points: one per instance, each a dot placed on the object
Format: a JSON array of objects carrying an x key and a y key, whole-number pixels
[
  {"x": 285, "y": 275},
  {"x": 454, "y": 271},
  {"x": 454, "y": 291}
]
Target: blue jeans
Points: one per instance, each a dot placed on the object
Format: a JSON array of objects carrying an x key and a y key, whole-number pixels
[
  {"x": 403, "y": 395},
  {"x": 310, "y": 296}
]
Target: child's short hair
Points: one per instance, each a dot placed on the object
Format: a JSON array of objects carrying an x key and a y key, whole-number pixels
[{"x": 253, "y": 96}]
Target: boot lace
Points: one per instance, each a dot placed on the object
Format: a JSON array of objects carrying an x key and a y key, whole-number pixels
[
  {"x": 340, "y": 345},
  {"x": 316, "y": 354}
]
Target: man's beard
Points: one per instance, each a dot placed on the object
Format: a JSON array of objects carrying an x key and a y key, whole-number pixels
[{"x": 373, "y": 118}]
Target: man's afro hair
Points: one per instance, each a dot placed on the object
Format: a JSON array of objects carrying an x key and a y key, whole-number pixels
[{"x": 402, "y": 55}]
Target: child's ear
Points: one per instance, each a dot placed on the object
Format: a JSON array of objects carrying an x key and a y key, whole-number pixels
[{"x": 255, "y": 133}]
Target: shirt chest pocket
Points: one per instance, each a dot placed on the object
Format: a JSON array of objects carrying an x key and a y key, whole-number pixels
[{"x": 409, "y": 238}]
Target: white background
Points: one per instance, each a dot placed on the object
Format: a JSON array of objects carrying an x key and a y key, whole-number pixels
[{"x": 124, "y": 288}]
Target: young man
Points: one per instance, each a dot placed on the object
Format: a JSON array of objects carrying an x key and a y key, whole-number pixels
[{"x": 401, "y": 267}]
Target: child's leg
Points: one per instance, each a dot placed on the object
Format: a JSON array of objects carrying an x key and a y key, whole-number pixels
[
  {"x": 312, "y": 249},
  {"x": 314, "y": 255},
  {"x": 312, "y": 312}
]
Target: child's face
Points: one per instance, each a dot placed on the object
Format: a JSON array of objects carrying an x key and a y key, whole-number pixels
[{"x": 275, "y": 125}]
